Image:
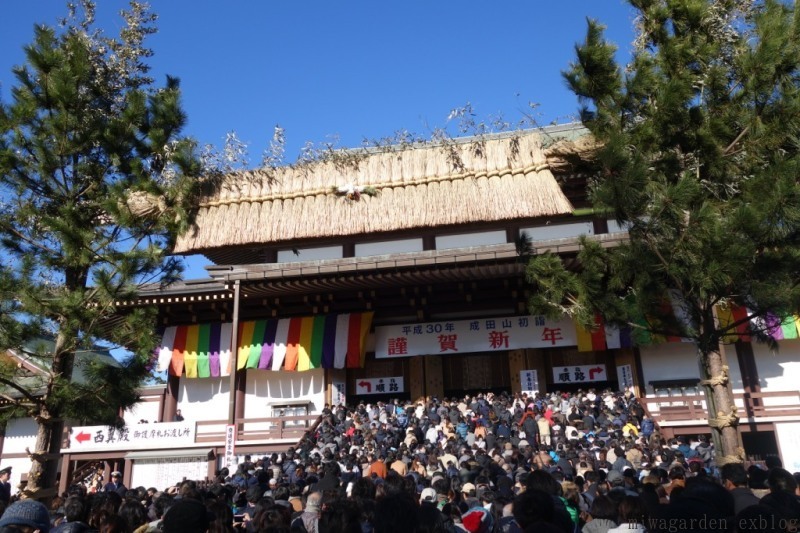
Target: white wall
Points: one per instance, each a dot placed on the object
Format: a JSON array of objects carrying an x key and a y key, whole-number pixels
[
  {"x": 20, "y": 434},
  {"x": 388, "y": 247},
  {"x": 734, "y": 371},
  {"x": 265, "y": 387},
  {"x": 559, "y": 231},
  {"x": 466, "y": 240},
  {"x": 788, "y": 436},
  {"x": 613, "y": 227},
  {"x": 672, "y": 360},
  {"x": 143, "y": 410},
  {"x": 780, "y": 370},
  {"x": 678, "y": 360},
  {"x": 310, "y": 254},
  {"x": 204, "y": 399},
  {"x": 19, "y": 466}
]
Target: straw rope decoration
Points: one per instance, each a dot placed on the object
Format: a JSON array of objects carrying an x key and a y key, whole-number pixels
[{"x": 377, "y": 187}]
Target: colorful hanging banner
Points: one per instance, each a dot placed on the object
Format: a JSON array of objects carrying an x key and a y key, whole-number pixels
[
  {"x": 607, "y": 337},
  {"x": 290, "y": 344},
  {"x": 201, "y": 350}
]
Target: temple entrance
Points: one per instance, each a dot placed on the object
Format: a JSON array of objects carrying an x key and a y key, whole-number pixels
[{"x": 474, "y": 373}]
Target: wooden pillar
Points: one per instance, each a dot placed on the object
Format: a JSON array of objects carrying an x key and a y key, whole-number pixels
[
  {"x": 127, "y": 474},
  {"x": 747, "y": 366},
  {"x": 171, "y": 398},
  {"x": 750, "y": 381},
  {"x": 236, "y": 376},
  {"x": 516, "y": 364},
  {"x": 212, "y": 465},
  {"x": 434, "y": 381},
  {"x": 66, "y": 473},
  {"x": 241, "y": 388},
  {"x": 638, "y": 371},
  {"x": 600, "y": 225},
  {"x": 416, "y": 386},
  {"x": 326, "y": 384}
]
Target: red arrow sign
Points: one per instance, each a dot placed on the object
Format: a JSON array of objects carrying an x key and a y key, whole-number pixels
[
  {"x": 366, "y": 384},
  {"x": 82, "y": 437},
  {"x": 595, "y": 370}
]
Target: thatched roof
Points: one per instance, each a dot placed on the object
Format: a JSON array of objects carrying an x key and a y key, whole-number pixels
[{"x": 503, "y": 178}]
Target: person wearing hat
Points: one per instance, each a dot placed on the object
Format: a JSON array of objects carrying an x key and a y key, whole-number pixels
[
  {"x": 477, "y": 520},
  {"x": 116, "y": 485},
  {"x": 5, "y": 486},
  {"x": 29, "y": 516},
  {"x": 468, "y": 490},
  {"x": 428, "y": 495}
]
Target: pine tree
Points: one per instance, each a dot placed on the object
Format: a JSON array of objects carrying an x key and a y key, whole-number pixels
[
  {"x": 95, "y": 180},
  {"x": 699, "y": 138}
]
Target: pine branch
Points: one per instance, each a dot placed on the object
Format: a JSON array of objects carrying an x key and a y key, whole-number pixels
[{"x": 738, "y": 138}]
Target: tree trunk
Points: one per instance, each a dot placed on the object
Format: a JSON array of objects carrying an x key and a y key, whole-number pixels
[
  {"x": 722, "y": 411},
  {"x": 45, "y": 458}
]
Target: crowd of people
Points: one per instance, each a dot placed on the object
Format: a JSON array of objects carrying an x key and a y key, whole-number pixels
[{"x": 589, "y": 462}]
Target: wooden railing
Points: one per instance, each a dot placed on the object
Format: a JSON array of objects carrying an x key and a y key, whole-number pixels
[
  {"x": 279, "y": 429},
  {"x": 751, "y": 405},
  {"x": 772, "y": 403}
]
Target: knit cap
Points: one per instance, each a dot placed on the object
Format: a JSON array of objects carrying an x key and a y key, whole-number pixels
[
  {"x": 27, "y": 513},
  {"x": 477, "y": 520}
]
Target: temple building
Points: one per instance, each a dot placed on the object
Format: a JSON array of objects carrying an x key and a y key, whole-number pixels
[{"x": 398, "y": 273}]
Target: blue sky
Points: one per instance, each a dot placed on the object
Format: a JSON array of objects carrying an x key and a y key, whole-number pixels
[{"x": 348, "y": 70}]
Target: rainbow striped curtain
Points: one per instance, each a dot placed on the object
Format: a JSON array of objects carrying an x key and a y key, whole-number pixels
[
  {"x": 289, "y": 344},
  {"x": 602, "y": 337},
  {"x": 607, "y": 337}
]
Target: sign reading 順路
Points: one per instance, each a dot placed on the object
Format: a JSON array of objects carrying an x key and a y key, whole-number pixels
[
  {"x": 579, "y": 373},
  {"x": 391, "y": 385}
]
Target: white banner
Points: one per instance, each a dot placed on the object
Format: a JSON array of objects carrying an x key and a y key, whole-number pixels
[
  {"x": 230, "y": 446},
  {"x": 530, "y": 381},
  {"x": 132, "y": 437},
  {"x": 393, "y": 385},
  {"x": 166, "y": 471},
  {"x": 788, "y": 437},
  {"x": 579, "y": 374},
  {"x": 466, "y": 336},
  {"x": 624, "y": 376},
  {"x": 338, "y": 393}
]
